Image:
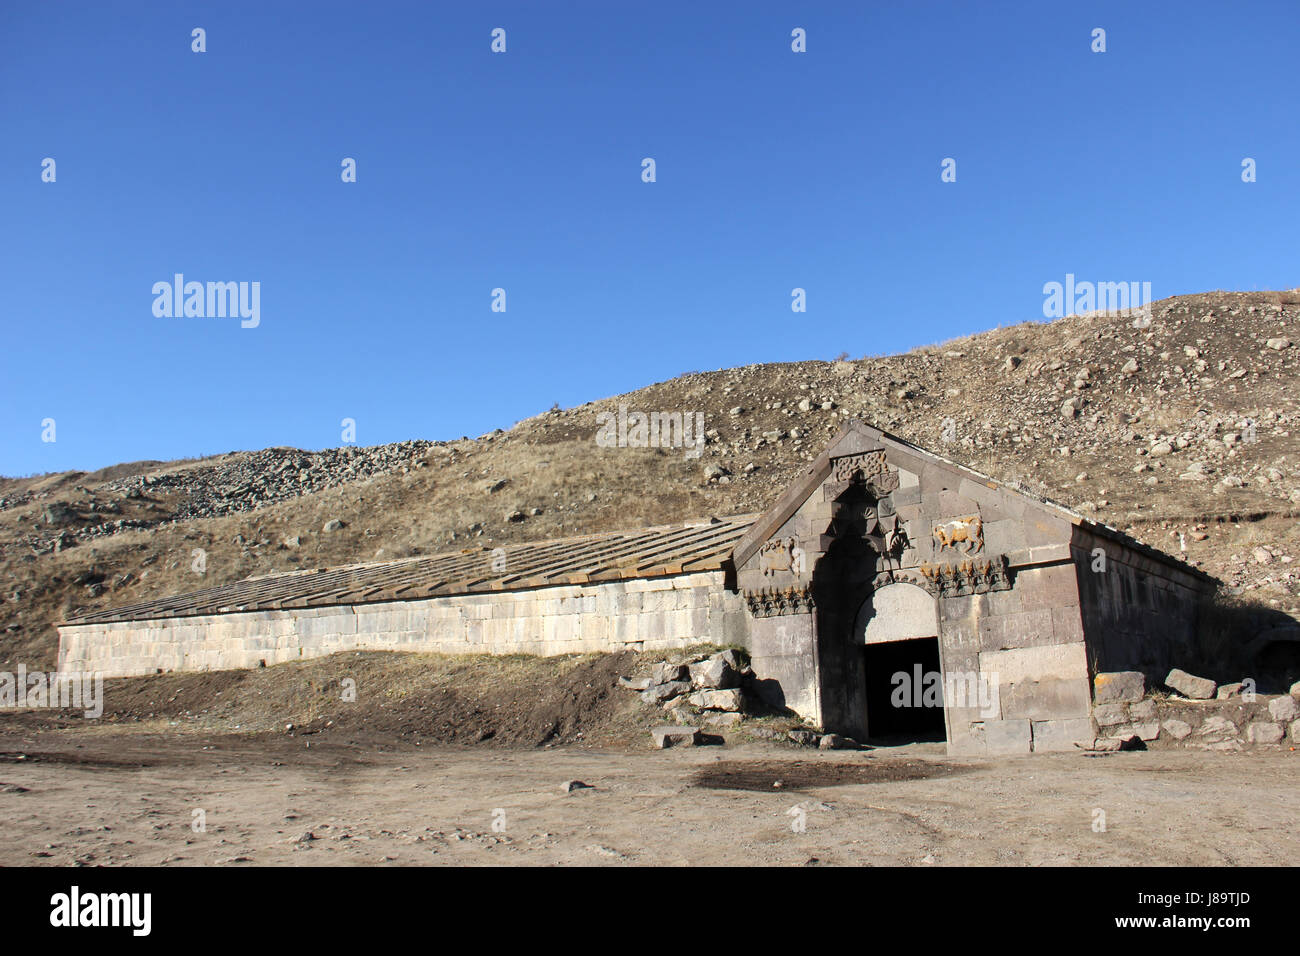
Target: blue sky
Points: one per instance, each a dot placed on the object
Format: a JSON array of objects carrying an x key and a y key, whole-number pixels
[{"x": 522, "y": 171}]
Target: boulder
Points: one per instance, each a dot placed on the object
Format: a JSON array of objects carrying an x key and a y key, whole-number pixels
[
  {"x": 1178, "y": 729},
  {"x": 1264, "y": 732},
  {"x": 661, "y": 692},
  {"x": 667, "y": 673},
  {"x": 1284, "y": 709},
  {"x": 1110, "y": 715},
  {"x": 1148, "y": 730},
  {"x": 634, "y": 683},
  {"x": 1228, "y": 691},
  {"x": 1142, "y": 710},
  {"x": 836, "y": 742},
  {"x": 665, "y": 737},
  {"x": 1217, "y": 729},
  {"x": 1295, "y": 731},
  {"x": 731, "y": 700},
  {"x": 722, "y": 720},
  {"x": 714, "y": 673},
  {"x": 1119, "y": 686},
  {"x": 808, "y": 738},
  {"x": 1196, "y": 688},
  {"x": 334, "y": 524}
]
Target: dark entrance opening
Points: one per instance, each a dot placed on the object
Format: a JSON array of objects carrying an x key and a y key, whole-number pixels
[{"x": 904, "y": 697}]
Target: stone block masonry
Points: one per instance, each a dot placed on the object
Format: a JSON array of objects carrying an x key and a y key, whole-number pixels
[{"x": 647, "y": 614}]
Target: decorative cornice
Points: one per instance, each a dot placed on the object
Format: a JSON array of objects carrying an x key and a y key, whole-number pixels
[
  {"x": 775, "y": 602},
  {"x": 958, "y": 579}
]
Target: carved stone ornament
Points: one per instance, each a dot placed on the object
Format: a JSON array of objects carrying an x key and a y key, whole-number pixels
[
  {"x": 964, "y": 536},
  {"x": 954, "y": 579},
  {"x": 780, "y": 554},
  {"x": 775, "y": 602},
  {"x": 967, "y": 577},
  {"x": 868, "y": 467}
]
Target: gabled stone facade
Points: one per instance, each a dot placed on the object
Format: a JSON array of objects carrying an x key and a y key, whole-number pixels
[{"x": 881, "y": 542}]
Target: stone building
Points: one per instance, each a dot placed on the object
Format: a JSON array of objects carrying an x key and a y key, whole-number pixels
[{"x": 888, "y": 594}]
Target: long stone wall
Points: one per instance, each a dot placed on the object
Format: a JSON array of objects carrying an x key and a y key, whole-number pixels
[
  {"x": 641, "y": 614},
  {"x": 1139, "y": 614}
]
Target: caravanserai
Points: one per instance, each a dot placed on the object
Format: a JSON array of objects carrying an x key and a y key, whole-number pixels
[{"x": 881, "y": 560}]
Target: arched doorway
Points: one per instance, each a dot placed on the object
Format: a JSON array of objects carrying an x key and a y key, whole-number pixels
[{"x": 897, "y": 629}]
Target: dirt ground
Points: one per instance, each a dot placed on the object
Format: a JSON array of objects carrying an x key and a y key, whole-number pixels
[{"x": 120, "y": 797}]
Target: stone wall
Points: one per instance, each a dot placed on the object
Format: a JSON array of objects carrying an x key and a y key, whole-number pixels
[
  {"x": 1140, "y": 614},
  {"x": 1027, "y": 646},
  {"x": 642, "y": 614},
  {"x": 1237, "y": 723}
]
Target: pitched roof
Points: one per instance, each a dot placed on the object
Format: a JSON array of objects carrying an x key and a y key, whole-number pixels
[
  {"x": 856, "y": 436},
  {"x": 612, "y": 556}
]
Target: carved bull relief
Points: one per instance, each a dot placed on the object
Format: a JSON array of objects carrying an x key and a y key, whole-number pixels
[{"x": 964, "y": 536}]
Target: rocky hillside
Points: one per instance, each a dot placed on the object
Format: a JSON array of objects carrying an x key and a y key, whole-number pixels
[{"x": 1183, "y": 430}]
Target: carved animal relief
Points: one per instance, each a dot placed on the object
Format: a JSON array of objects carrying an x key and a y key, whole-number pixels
[
  {"x": 963, "y": 536},
  {"x": 780, "y": 554}
]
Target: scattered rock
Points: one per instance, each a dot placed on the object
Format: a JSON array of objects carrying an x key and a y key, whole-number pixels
[
  {"x": 669, "y": 673},
  {"x": 665, "y": 737},
  {"x": 1148, "y": 730},
  {"x": 662, "y": 692},
  {"x": 722, "y": 719},
  {"x": 334, "y": 524},
  {"x": 1217, "y": 728},
  {"x": 715, "y": 673},
  {"x": 1110, "y": 715},
  {"x": 1284, "y": 709},
  {"x": 1143, "y": 710},
  {"x": 1195, "y": 688},
  {"x": 1264, "y": 732},
  {"x": 1119, "y": 686},
  {"x": 571, "y": 785},
  {"x": 731, "y": 700}
]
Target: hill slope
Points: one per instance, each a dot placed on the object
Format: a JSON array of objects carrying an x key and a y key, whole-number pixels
[{"x": 1185, "y": 433}]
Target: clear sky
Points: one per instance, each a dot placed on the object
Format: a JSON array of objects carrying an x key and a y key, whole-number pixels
[{"x": 522, "y": 170}]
